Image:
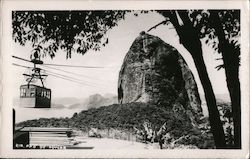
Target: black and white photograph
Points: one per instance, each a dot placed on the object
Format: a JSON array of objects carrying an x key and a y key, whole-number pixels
[{"x": 127, "y": 79}]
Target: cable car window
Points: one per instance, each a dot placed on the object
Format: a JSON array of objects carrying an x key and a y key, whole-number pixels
[
  {"x": 38, "y": 93},
  {"x": 32, "y": 92},
  {"x": 44, "y": 94},
  {"x": 27, "y": 92},
  {"x": 23, "y": 92},
  {"x": 48, "y": 94}
]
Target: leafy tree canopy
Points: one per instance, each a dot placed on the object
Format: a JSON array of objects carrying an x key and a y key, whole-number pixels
[
  {"x": 78, "y": 31},
  {"x": 204, "y": 21},
  {"x": 81, "y": 31},
  {"x": 230, "y": 20}
]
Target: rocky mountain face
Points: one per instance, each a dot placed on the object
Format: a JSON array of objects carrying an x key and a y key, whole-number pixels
[{"x": 155, "y": 72}]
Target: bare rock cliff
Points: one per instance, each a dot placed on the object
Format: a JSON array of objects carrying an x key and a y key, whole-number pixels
[{"x": 155, "y": 72}]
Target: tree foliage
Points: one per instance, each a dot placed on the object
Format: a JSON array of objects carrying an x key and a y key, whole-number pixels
[
  {"x": 230, "y": 19},
  {"x": 80, "y": 31},
  {"x": 77, "y": 31},
  {"x": 224, "y": 27},
  {"x": 203, "y": 21}
]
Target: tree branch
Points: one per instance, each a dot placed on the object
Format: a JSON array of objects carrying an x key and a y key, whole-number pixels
[
  {"x": 179, "y": 139},
  {"x": 161, "y": 23},
  {"x": 184, "y": 17}
]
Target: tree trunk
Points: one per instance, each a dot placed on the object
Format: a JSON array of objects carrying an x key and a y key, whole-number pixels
[
  {"x": 190, "y": 40},
  {"x": 193, "y": 45},
  {"x": 233, "y": 85},
  {"x": 230, "y": 57},
  {"x": 214, "y": 116}
]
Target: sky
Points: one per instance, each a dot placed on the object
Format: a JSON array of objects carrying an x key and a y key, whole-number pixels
[{"x": 104, "y": 80}]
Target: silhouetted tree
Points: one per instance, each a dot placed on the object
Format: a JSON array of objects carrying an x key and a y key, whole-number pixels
[
  {"x": 226, "y": 27},
  {"x": 189, "y": 38},
  {"x": 221, "y": 29}
]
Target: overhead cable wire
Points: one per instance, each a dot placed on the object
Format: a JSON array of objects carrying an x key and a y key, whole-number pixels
[
  {"x": 19, "y": 58},
  {"x": 20, "y": 65},
  {"x": 68, "y": 78},
  {"x": 77, "y": 74},
  {"x": 85, "y": 84},
  {"x": 61, "y": 75},
  {"x": 80, "y": 80},
  {"x": 49, "y": 64},
  {"x": 47, "y": 71},
  {"x": 80, "y": 66},
  {"x": 100, "y": 81},
  {"x": 64, "y": 78},
  {"x": 58, "y": 74}
]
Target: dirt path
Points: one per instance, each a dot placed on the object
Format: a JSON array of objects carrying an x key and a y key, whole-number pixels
[{"x": 105, "y": 143}]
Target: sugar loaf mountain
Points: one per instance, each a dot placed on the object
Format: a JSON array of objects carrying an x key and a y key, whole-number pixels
[{"x": 156, "y": 91}]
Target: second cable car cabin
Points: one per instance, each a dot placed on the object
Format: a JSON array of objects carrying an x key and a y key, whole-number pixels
[{"x": 34, "y": 96}]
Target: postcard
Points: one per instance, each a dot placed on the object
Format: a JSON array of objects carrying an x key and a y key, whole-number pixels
[{"x": 125, "y": 79}]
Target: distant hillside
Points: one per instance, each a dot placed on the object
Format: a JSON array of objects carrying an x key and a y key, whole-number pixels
[
  {"x": 58, "y": 106},
  {"x": 223, "y": 97},
  {"x": 77, "y": 106},
  {"x": 219, "y": 97},
  {"x": 95, "y": 101},
  {"x": 109, "y": 95},
  {"x": 66, "y": 100}
]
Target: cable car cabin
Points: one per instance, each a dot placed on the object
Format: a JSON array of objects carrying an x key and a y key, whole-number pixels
[{"x": 34, "y": 96}]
